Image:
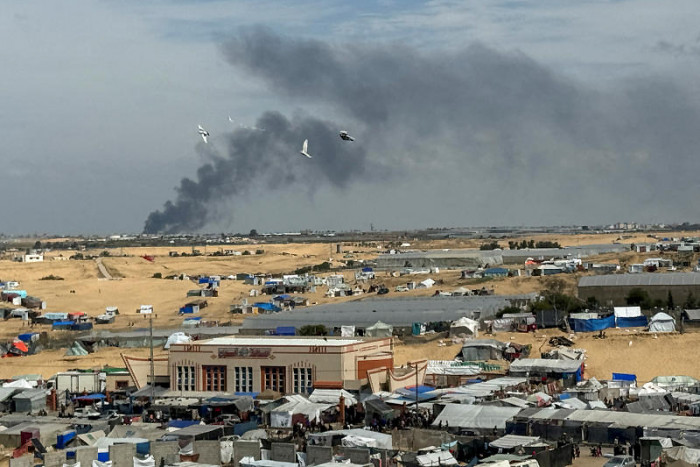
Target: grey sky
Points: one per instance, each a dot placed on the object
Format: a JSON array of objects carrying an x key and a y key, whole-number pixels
[{"x": 101, "y": 102}]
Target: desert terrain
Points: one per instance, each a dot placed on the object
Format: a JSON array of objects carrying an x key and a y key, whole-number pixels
[{"x": 83, "y": 288}]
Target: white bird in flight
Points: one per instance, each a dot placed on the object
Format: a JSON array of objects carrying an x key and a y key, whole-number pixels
[
  {"x": 305, "y": 149},
  {"x": 203, "y": 133}
]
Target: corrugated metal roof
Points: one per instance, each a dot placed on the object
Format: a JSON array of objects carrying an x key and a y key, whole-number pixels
[
  {"x": 640, "y": 280},
  {"x": 394, "y": 311},
  {"x": 547, "y": 365}
]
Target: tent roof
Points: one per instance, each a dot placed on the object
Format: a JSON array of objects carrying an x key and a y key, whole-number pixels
[
  {"x": 513, "y": 441},
  {"x": 545, "y": 365},
  {"x": 475, "y": 416},
  {"x": 661, "y": 316}
]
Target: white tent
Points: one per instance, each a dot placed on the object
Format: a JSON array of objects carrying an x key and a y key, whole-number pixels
[
  {"x": 464, "y": 326},
  {"x": 627, "y": 311},
  {"x": 661, "y": 322},
  {"x": 177, "y": 338},
  {"x": 347, "y": 331},
  {"x": 379, "y": 329},
  {"x": 426, "y": 284}
]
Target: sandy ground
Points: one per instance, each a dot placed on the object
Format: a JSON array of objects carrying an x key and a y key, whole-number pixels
[
  {"x": 83, "y": 290},
  {"x": 50, "y": 362},
  {"x": 647, "y": 356}
]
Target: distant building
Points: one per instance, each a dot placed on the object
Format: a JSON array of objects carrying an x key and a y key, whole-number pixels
[
  {"x": 33, "y": 258},
  {"x": 283, "y": 364},
  {"x": 616, "y": 287}
]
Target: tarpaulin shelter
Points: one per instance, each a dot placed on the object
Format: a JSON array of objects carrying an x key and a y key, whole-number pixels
[
  {"x": 482, "y": 350},
  {"x": 592, "y": 325},
  {"x": 635, "y": 322},
  {"x": 464, "y": 326},
  {"x": 379, "y": 329},
  {"x": 538, "y": 366},
  {"x": 661, "y": 322},
  {"x": 475, "y": 417},
  {"x": 177, "y": 338}
]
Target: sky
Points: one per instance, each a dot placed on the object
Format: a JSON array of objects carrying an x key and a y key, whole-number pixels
[{"x": 466, "y": 113}]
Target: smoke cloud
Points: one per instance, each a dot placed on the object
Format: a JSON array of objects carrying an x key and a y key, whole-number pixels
[
  {"x": 475, "y": 119},
  {"x": 270, "y": 157}
]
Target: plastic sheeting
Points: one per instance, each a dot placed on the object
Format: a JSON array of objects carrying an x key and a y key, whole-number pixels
[
  {"x": 475, "y": 416},
  {"x": 347, "y": 331},
  {"x": 592, "y": 325},
  {"x": 627, "y": 311},
  {"x": 226, "y": 451},
  {"x": 149, "y": 461},
  {"x": 632, "y": 322},
  {"x": 177, "y": 338},
  {"x": 97, "y": 463},
  {"x": 661, "y": 322},
  {"x": 434, "y": 459}
]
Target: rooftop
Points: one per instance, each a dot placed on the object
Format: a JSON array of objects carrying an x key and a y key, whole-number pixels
[
  {"x": 636, "y": 280},
  {"x": 280, "y": 341}
]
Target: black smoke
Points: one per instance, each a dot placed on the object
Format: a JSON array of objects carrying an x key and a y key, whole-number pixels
[
  {"x": 269, "y": 157},
  {"x": 516, "y": 136}
]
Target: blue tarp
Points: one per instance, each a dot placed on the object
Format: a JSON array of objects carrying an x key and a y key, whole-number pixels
[
  {"x": 283, "y": 297},
  {"x": 267, "y": 306},
  {"x": 186, "y": 310},
  {"x": 194, "y": 318},
  {"x": 415, "y": 329},
  {"x": 204, "y": 280},
  {"x": 63, "y": 323},
  {"x": 591, "y": 325},
  {"x": 251, "y": 394},
  {"x": 26, "y": 337},
  {"x": 624, "y": 377},
  {"x": 91, "y": 397},
  {"x": 564, "y": 396},
  {"x": 103, "y": 456},
  {"x": 81, "y": 327},
  {"x": 64, "y": 438},
  {"x": 286, "y": 331},
  {"x": 636, "y": 322},
  {"x": 244, "y": 427},
  {"x": 412, "y": 389},
  {"x": 182, "y": 423},
  {"x": 367, "y": 269}
]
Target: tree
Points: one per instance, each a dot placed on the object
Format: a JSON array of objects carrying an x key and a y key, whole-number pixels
[
  {"x": 490, "y": 246},
  {"x": 690, "y": 302},
  {"x": 313, "y": 330},
  {"x": 253, "y": 233},
  {"x": 669, "y": 301},
  {"x": 37, "y": 245},
  {"x": 638, "y": 297}
]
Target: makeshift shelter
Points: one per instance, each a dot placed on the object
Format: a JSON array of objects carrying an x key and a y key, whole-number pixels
[
  {"x": 30, "y": 400},
  {"x": 177, "y": 338},
  {"x": 661, "y": 322},
  {"x": 681, "y": 456},
  {"x": 629, "y": 317},
  {"x": 475, "y": 417},
  {"x": 481, "y": 350},
  {"x": 591, "y": 324},
  {"x": 347, "y": 331},
  {"x": 464, "y": 327},
  {"x": 77, "y": 349},
  {"x": 379, "y": 329}
]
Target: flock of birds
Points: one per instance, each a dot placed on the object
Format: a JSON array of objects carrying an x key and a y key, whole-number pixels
[{"x": 304, "y": 147}]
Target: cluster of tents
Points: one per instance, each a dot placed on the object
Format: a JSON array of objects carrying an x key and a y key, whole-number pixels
[{"x": 24, "y": 344}]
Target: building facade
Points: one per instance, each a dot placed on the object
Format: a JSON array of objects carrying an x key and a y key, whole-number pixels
[{"x": 289, "y": 365}]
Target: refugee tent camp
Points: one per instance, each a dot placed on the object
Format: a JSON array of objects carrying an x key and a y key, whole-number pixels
[
  {"x": 661, "y": 322},
  {"x": 464, "y": 326},
  {"x": 379, "y": 329},
  {"x": 482, "y": 350}
]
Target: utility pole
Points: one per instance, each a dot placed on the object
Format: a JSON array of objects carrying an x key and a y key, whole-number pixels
[{"x": 153, "y": 370}]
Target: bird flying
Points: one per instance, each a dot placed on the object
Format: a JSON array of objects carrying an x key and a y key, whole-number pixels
[
  {"x": 345, "y": 136},
  {"x": 203, "y": 133},
  {"x": 305, "y": 149}
]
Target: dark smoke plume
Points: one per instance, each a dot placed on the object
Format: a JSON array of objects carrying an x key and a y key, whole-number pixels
[
  {"x": 270, "y": 157},
  {"x": 521, "y": 139}
]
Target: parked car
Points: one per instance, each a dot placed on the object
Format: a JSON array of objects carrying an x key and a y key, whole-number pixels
[{"x": 620, "y": 461}]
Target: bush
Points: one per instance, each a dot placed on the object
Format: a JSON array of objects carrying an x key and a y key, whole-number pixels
[
  {"x": 259, "y": 252},
  {"x": 158, "y": 275},
  {"x": 51, "y": 278},
  {"x": 246, "y": 253},
  {"x": 313, "y": 330},
  {"x": 490, "y": 246}
]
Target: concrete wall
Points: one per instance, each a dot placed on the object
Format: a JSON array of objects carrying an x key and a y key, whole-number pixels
[
  {"x": 318, "y": 454},
  {"x": 168, "y": 450},
  {"x": 284, "y": 452},
  {"x": 209, "y": 452},
  {"x": 24, "y": 461},
  {"x": 243, "y": 449},
  {"x": 357, "y": 455},
  {"x": 85, "y": 455},
  {"x": 55, "y": 459},
  {"x": 122, "y": 455}
]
